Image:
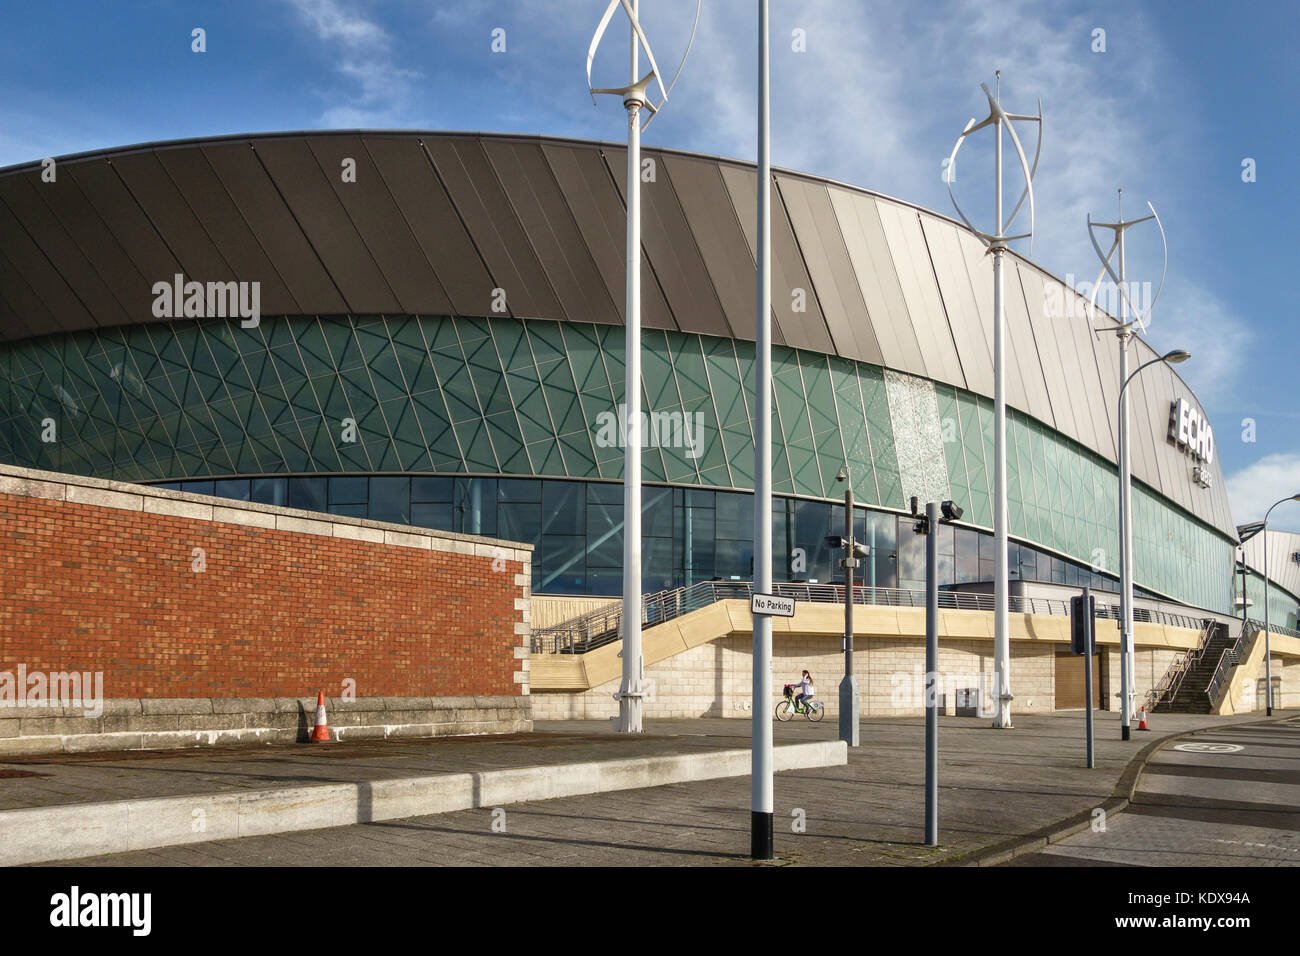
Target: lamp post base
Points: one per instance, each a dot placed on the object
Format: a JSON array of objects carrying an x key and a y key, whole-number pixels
[
  {"x": 849, "y": 712},
  {"x": 760, "y": 839}
]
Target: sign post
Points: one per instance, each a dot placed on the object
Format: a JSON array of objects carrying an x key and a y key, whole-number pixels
[{"x": 1082, "y": 641}]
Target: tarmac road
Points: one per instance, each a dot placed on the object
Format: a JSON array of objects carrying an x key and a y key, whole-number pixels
[{"x": 1226, "y": 798}]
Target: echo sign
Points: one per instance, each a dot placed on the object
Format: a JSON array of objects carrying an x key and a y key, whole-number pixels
[{"x": 1190, "y": 429}]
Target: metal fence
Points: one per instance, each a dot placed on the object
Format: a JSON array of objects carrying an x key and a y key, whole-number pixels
[{"x": 588, "y": 631}]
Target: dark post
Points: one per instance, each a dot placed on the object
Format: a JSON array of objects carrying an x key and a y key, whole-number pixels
[
  {"x": 931, "y": 674},
  {"x": 849, "y": 684},
  {"x": 1087, "y": 673}
]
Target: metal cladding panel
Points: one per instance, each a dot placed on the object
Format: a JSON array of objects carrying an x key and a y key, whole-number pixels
[
  {"x": 1105, "y": 351},
  {"x": 549, "y": 223},
  {"x": 428, "y": 213},
  {"x": 21, "y": 195},
  {"x": 833, "y": 277},
  {"x": 485, "y": 209},
  {"x": 29, "y": 315},
  {"x": 193, "y": 175},
  {"x": 66, "y": 202},
  {"x": 864, "y": 238},
  {"x": 790, "y": 277},
  {"x": 1051, "y": 341},
  {"x": 175, "y": 222},
  {"x": 916, "y": 277},
  {"x": 597, "y": 208},
  {"x": 670, "y": 249},
  {"x": 1081, "y": 370},
  {"x": 27, "y": 258},
  {"x": 1283, "y": 569},
  {"x": 1148, "y": 464},
  {"x": 326, "y": 225},
  {"x": 1023, "y": 347},
  {"x": 979, "y": 266},
  {"x": 964, "y": 317},
  {"x": 274, "y": 226},
  {"x": 378, "y": 221},
  {"x": 715, "y": 224}
]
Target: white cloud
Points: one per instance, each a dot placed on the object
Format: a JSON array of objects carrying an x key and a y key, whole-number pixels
[
  {"x": 1253, "y": 489},
  {"x": 377, "y": 92}
]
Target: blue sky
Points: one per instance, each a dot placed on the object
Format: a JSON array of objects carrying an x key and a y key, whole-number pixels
[{"x": 1183, "y": 93}]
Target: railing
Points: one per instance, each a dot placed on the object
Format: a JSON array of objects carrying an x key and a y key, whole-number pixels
[
  {"x": 1173, "y": 678},
  {"x": 1229, "y": 659},
  {"x": 589, "y": 631}
]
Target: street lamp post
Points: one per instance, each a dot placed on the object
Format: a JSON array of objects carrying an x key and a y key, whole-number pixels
[
  {"x": 631, "y": 691},
  {"x": 853, "y": 551},
  {"x": 928, "y": 525},
  {"x": 996, "y": 242},
  {"x": 1126, "y": 547},
  {"x": 1124, "y": 332},
  {"x": 760, "y": 782},
  {"x": 1268, "y": 658}
]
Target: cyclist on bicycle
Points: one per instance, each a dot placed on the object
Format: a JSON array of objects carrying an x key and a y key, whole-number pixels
[{"x": 805, "y": 690}]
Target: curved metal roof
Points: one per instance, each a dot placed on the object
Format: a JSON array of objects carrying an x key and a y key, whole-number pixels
[{"x": 435, "y": 222}]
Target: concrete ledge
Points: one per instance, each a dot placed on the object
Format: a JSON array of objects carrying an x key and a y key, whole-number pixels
[
  {"x": 174, "y": 723},
  {"x": 75, "y": 831}
]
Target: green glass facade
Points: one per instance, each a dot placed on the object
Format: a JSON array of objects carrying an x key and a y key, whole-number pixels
[{"x": 369, "y": 399}]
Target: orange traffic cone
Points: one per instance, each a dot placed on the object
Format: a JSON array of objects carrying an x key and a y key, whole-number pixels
[
  {"x": 1142, "y": 722},
  {"x": 321, "y": 732}
]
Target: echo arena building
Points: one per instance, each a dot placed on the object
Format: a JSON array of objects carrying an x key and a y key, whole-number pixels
[{"x": 426, "y": 328}]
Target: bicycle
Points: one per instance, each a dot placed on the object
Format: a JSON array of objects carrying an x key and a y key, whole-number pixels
[{"x": 787, "y": 708}]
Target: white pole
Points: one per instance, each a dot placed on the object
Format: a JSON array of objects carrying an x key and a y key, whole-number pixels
[
  {"x": 630, "y": 690},
  {"x": 1125, "y": 503},
  {"x": 761, "y": 800},
  {"x": 1001, "y": 635},
  {"x": 1268, "y": 653},
  {"x": 1125, "y": 536}
]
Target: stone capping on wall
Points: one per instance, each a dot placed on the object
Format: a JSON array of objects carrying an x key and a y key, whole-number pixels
[
  {"x": 78, "y": 489},
  {"x": 175, "y": 723}
]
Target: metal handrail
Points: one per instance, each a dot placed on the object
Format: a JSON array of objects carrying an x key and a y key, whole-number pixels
[
  {"x": 1230, "y": 658},
  {"x": 1172, "y": 681},
  {"x": 596, "y": 628}
]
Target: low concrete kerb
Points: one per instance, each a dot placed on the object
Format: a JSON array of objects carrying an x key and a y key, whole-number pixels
[
  {"x": 73, "y": 831},
  {"x": 1113, "y": 805}
]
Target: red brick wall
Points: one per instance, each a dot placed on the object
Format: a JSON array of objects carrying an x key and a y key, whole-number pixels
[{"x": 276, "y": 613}]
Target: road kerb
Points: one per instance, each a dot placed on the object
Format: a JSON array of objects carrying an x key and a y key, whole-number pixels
[{"x": 74, "y": 831}]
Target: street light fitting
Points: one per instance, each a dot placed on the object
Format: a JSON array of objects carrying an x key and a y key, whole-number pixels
[
  {"x": 1247, "y": 531},
  {"x": 836, "y": 542},
  {"x": 1176, "y": 356}
]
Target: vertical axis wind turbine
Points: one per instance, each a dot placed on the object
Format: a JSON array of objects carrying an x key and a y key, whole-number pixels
[
  {"x": 631, "y": 691},
  {"x": 996, "y": 244},
  {"x": 1124, "y": 332}
]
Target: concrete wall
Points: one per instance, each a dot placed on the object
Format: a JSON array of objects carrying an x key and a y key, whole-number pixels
[
  {"x": 184, "y": 611},
  {"x": 714, "y": 679}
]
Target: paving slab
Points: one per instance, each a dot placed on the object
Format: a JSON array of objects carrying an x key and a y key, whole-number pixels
[{"x": 996, "y": 786}]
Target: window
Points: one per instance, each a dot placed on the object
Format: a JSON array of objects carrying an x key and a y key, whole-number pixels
[
  {"x": 236, "y": 488},
  {"x": 270, "y": 491},
  {"x": 307, "y": 493},
  {"x": 390, "y": 499}
]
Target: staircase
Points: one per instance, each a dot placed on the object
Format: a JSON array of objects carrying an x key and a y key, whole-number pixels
[{"x": 1189, "y": 694}]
